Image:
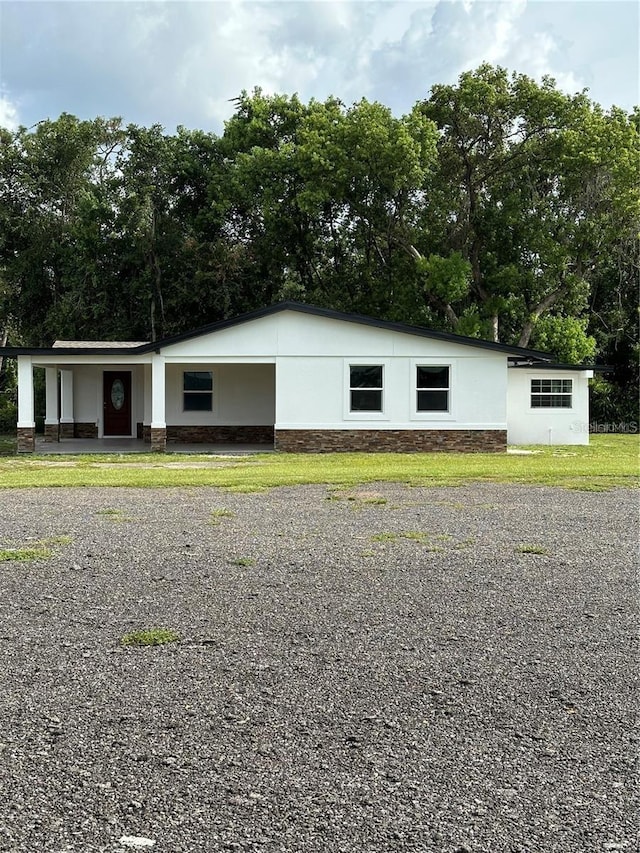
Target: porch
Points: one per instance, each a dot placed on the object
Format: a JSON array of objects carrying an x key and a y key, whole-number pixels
[
  {"x": 133, "y": 445},
  {"x": 104, "y": 405}
]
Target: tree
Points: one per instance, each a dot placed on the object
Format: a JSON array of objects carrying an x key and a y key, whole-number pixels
[
  {"x": 321, "y": 200},
  {"x": 531, "y": 185},
  {"x": 49, "y": 179}
]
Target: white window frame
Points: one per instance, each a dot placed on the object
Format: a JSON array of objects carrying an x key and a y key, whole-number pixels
[
  {"x": 373, "y": 361},
  {"x": 539, "y": 394},
  {"x": 450, "y": 414},
  {"x": 183, "y": 391}
]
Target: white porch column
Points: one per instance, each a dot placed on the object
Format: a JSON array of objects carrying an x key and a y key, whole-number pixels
[
  {"x": 25, "y": 392},
  {"x": 52, "y": 419},
  {"x": 146, "y": 408},
  {"x": 26, "y": 419},
  {"x": 66, "y": 404},
  {"x": 158, "y": 422}
]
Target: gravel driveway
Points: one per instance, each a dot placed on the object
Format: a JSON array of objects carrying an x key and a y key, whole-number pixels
[{"x": 379, "y": 669}]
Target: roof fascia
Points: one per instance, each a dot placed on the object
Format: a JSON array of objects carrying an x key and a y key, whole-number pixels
[{"x": 600, "y": 368}]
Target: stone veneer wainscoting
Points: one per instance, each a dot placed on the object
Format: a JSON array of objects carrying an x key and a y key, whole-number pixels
[
  {"x": 51, "y": 433},
  {"x": 221, "y": 434},
  {"x": 158, "y": 439},
  {"x": 391, "y": 440},
  {"x": 26, "y": 439},
  {"x": 81, "y": 430}
]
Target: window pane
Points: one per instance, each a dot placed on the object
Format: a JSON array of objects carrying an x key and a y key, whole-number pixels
[
  {"x": 433, "y": 377},
  {"x": 433, "y": 401},
  {"x": 366, "y": 401},
  {"x": 197, "y": 402},
  {"x": 551, "y": 401},
  {"x": 195, "y": 381},
  {"x": 551, "y": 386},
  {"x": 366, "y": 376}
]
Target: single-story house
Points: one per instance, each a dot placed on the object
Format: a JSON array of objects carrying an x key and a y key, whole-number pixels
[{"x": 302, "y": 378}]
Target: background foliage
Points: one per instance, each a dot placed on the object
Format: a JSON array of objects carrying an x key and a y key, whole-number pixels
[{"x": 499, "y": 208}]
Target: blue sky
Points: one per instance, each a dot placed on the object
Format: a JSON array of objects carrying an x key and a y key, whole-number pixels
[{"x": 182, "y": 62}]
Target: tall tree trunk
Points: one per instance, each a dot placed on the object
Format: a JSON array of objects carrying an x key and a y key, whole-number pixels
[
  {"x": 153, "y": 318},
  {"x": 534, "y": 315},
  {"x": 441, "y": 304},
  {"x": 495, "y": 330}
]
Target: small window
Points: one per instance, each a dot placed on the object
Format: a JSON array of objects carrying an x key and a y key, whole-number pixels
[
  {"x": 551, "y": 393},
  {"x": 432, "y": 388},
  {"x": 366, "y": 387},
  {"x": 198, "y": 391}
]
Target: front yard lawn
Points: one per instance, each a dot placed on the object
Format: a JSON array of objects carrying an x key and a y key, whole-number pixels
[{"x": 609, "y": 461}]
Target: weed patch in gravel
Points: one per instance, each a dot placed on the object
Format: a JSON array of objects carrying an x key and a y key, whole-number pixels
[{"x": 150, "y": 637}]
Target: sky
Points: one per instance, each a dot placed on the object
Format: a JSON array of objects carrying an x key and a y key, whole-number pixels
[{"x": 183, "y": 62}]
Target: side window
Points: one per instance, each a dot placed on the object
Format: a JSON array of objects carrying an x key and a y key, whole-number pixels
[
  {"x": 432, "y": 388},
  {"x": 551, "y": 393},
  {"x": 197, "y": 389},
  {"x": 365, "y": 387}
]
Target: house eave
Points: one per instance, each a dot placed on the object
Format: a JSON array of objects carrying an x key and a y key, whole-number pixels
[{"x": 537, "y": 365}]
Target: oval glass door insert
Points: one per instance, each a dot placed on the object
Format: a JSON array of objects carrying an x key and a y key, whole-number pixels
[{"x": 117, "y": 394}]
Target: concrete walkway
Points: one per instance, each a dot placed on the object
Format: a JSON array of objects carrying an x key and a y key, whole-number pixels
[{"x": 133, "y": 445}]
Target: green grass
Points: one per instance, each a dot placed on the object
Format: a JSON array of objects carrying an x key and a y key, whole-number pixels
[
  {"x": 113, "y": 515},
  {"x": 532, "y": 549},
  {"x": 243, "y": 561},
  {"x": 384, "y": 537},
  {"x": 610, "y": 461},
  {"x": 416, "y": 536},
  {"x": 42, "y": 550},
  {"x": 23, "y": 555},
  {"x": 63, "y": 539},
  {"x": 218, "y": 514},
  {"x": 425, "y": 539},
  {"x": 8, "y": 444},
  {"x": 150, "y": 637}
]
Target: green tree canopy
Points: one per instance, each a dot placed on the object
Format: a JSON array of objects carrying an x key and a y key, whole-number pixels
[{"x": 498, "y": 207}]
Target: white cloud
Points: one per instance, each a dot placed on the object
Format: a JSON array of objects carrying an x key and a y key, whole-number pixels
[
  {"x": 183, "y": 62},
  {"x": 8, "y": 114}
]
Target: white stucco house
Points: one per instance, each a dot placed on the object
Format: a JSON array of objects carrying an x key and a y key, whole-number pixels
[{"x": 300, "y": 378}]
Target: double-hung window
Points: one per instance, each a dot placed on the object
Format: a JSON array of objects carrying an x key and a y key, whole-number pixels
[
  {"x": 365, "y": 387},
  {"x": 551, "y": 393},
  {"x": 197, "y": 386},
  {"x": 432, "y": 388}
]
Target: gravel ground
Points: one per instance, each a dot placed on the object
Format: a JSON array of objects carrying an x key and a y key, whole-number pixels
[{"x": 371, "y": 670}]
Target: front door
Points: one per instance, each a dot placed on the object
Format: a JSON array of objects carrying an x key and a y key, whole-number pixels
[{"x": 117, "y": 402}]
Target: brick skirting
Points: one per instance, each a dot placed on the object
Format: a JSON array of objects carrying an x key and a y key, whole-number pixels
[
  {"x": 26, "y": 439},
  {"x": 81, "y": 430},
  {"x": 220, "y": 434},
  {"x": 158, "y": 439},
  {"x": 391, "y": 440},
  {"x": 51, "y": 432},
  {"x": 66, "y": 430}
]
